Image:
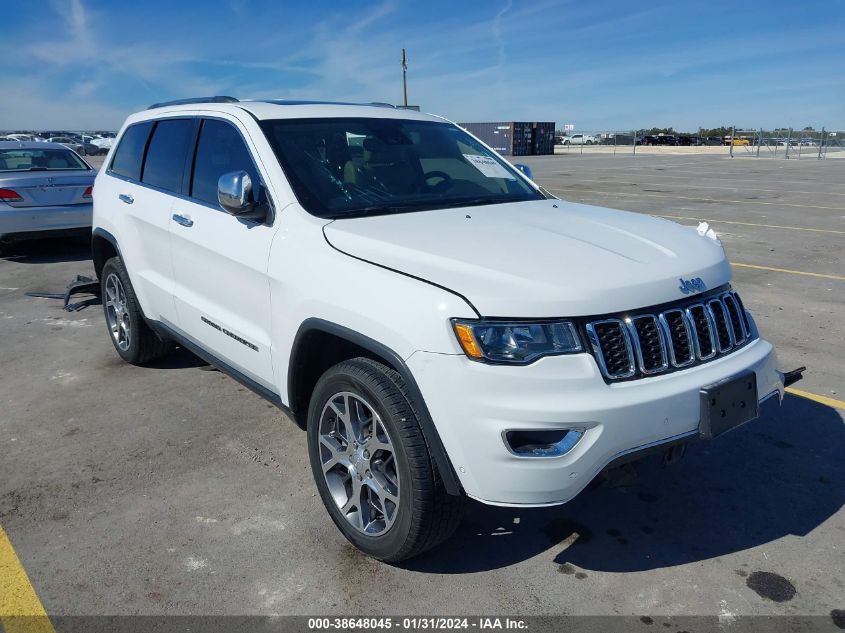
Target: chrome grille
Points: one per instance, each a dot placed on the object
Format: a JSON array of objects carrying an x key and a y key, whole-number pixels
[
  {"x": 724, "y": 337},
  {"x": 703, "y": 331},
  {"x": 678, "y": 331},
  {"x": 736, "y": 319},
  {"x": 648, "y": 343},
  {"x": 612, "y": 345},
  {"x": 669, "y": 338},
  {"x": 743, "y": 314}
]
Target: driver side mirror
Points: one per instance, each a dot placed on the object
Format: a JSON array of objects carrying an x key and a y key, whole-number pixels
[
  {"x": 234, "y": 193},
  {"x": 525, "y": 169}
]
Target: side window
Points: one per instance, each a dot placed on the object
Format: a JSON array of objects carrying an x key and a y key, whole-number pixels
[
  {"x": 165, "y": 163},
  {"x": 130, "y": 152},
  {"x": 220, "y": 150}
]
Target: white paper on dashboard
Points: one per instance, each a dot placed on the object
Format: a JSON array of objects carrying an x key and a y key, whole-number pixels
[{"x": 488, "y": 166}]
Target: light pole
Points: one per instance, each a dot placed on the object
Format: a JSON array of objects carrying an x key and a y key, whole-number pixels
[{"x": 405, "y": 76}]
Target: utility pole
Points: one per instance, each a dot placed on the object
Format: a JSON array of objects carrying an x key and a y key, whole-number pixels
[{"x": 405, "y": 76}]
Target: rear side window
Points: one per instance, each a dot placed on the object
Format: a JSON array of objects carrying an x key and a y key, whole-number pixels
[
  {"x": 165, "y": 164},
  {"x": 130, "y": 152},
  {"x": 220, "y": 150}
]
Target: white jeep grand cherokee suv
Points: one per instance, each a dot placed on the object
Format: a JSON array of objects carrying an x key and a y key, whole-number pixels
[{"x": 437, "y": 323}]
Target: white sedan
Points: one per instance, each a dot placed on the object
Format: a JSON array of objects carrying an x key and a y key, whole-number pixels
[{"x": 45, "y": 188}]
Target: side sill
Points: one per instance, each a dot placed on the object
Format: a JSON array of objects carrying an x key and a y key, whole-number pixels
[{"x": 165, "y": 331}]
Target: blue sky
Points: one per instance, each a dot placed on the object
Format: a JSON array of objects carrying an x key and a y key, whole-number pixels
[{"x": 600, "y": 65}]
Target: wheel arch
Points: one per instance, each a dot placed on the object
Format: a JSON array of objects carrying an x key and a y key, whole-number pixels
[
  {"x": 103, "y": 247},
  {"x": 320, "y": 344}
]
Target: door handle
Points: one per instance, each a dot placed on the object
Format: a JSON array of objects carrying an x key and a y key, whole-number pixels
[
  {"x": 183, "y": 220},
  {"x": 125, "y": 197}
]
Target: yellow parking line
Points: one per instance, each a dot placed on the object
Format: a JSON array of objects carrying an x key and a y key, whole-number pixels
[
  {"x": 791, "y": 272},
  {"x": 20, "y": 609},
  {"x": 697, "y": 199},
  {"x": 767, "y": 226},
  {"x": 831, "y": 402}
]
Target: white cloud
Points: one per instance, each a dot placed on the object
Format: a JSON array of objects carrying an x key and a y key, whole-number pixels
[{"x": 26, "y": 109}]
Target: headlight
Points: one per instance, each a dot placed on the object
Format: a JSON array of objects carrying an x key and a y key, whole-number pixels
[{"x": 516, "y": 343}]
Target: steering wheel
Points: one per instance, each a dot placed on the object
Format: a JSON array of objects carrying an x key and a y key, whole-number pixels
[
  {"x": 445, "y": 182},
  {"x": 436, "y": 174}
]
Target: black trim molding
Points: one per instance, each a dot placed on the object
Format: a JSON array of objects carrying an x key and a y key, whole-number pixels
[
  {"x": 432, "y": 437},
  {"x": 168, "y": 332}
]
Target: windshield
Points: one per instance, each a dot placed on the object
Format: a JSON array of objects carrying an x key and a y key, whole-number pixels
[
  {"x": 40, "y": 160},
  {"x": 357, "y": 167}
]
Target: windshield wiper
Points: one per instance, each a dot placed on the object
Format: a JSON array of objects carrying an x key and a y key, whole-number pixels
[
  {"x": 477, "y": 202},
  {"x": 381, "y": 209},
  {"x": 429, "y": 205}
]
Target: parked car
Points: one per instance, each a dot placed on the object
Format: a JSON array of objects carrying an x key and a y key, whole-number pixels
[
  {"x": 374, "y": 297},
  {"x": 659, "y": 139},
  {"x": 617, "y": 138},
  {"x": 102, "y": 143},
  {"x": 27, "y": 138},
  {"x": 45, "y": 188},
  {"x": 77, "y": 145},
  {"x": 737, "y": 141},
  {"x": 580, "y": 139},
  {"x": 88, "y": 148},
  {"x": 95, "y": 145},
  {"x": 714, "y": 140}
]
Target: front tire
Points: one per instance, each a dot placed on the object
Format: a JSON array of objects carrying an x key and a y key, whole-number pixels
[
  {"x": 132, "y": 338},
  {"x": 372, "y": 466}
]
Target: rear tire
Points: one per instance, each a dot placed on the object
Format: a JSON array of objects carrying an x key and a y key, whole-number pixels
[
  {"x": 132, "y": 338},
  {"x": 389, "y": 499}
]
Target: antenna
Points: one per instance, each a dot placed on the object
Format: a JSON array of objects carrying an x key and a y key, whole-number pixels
[{"x": 405, "y": 76}]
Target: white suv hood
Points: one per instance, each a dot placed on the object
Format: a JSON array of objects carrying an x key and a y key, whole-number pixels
[{"x": 547, "y": 258}]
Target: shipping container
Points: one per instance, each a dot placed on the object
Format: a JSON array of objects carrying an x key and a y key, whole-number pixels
[{"x": 515, "y": 138}]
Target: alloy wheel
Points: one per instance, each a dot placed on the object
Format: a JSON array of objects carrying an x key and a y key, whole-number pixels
[
  {"x": 117, "y": 313},
  {"x": 359, "y": 463}
]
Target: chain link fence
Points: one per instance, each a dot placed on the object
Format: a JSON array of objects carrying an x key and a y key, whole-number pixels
[
  {"x": 758, "y": 143},
  {"x": 787, "y": 143}
]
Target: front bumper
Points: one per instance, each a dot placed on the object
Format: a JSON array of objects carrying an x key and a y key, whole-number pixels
[
  {"x": 15, "y": 220},
  {"x": 472, "y": 404}
]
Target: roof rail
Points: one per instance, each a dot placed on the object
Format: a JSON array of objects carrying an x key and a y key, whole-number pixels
[
  {"x": 376, "y": 104},
  {"x": 217, "y": 99}
]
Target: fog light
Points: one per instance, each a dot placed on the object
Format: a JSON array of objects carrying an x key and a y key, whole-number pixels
[{"x": 542, "y": 443}]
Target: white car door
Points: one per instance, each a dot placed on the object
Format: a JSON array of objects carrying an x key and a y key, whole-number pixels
[
  {"x": 143, "y": 218},
  {"x": 222, "y": 291}
]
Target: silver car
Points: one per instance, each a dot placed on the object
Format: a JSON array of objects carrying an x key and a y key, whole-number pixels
[
  {"x": 76, "y": 144},
  {"x": 44, "y": 188}
]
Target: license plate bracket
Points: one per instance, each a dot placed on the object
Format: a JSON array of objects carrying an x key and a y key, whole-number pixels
[{"x": 728, "y": 404}]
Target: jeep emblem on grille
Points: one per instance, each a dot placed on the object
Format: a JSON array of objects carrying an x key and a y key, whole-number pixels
[{"x": 692, "y": 285}]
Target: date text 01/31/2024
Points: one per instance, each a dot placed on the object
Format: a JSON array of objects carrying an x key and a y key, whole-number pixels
[{"x": 415, "y": 623}]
